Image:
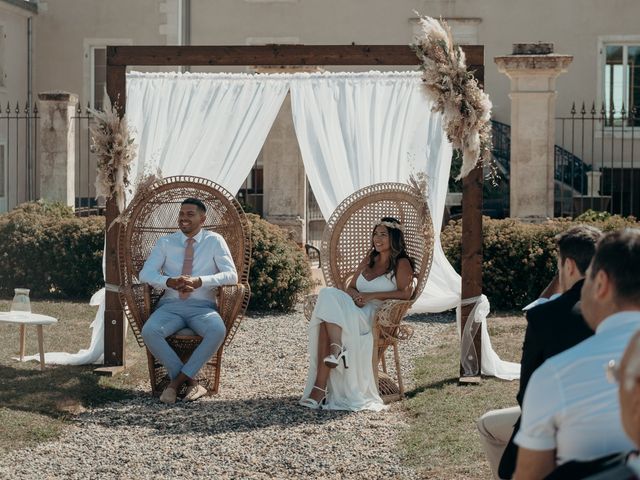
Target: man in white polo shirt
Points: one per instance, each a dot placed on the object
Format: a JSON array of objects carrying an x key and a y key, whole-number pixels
[{"x": 570, "y": 410}]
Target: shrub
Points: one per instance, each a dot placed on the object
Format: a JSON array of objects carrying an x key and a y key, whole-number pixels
[
  {"x": 519, "y": 259},
  {"x": 280, "y": 273},
  {"x": 45, "y": 248}
]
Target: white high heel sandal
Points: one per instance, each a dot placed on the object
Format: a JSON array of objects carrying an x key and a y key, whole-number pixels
[
  {"x": 314, "y": 404},
  {"x": 332, "y": 360}
]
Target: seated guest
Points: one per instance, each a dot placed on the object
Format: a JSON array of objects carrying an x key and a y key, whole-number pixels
[
  {"x": 623, "y": 465},
  {"x": 570, "y": 410},
  {"x": 552, "y": 327},
  {"x": 189, "y": 265}
]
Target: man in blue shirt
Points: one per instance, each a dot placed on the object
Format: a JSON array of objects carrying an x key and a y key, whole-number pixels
[{"x": 189, "y": 265}]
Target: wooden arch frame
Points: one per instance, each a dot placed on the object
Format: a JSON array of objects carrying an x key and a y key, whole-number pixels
[{"x": 120, "y": 57}]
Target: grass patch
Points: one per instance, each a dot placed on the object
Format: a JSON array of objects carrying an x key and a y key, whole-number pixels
[
  {"x": 442, "y": 441},
  {"x": 35, "y": 405}
]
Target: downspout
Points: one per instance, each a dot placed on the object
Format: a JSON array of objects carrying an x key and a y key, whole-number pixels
[
  {"x": 184, "y": 26},
  {"x": 30, "y": 145}
]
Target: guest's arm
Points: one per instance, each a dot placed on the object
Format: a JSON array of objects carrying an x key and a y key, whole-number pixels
[
  {"x": 537, "y": 437},
  {"x": 534, "y": 464}
]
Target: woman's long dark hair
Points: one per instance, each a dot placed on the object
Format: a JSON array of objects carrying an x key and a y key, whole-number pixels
[{"x": 397, "y": 244}]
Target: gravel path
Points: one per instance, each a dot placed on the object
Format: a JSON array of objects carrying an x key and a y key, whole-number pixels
[{"x": 252, "y": 429}]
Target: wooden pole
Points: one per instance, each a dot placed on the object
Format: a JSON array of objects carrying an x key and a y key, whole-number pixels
[
  {"x": 118, "y": 58},
  {"x": 472, "y": 253},
  {"x": 114, "y": 324},
  {"x": 471, "y": 258}
]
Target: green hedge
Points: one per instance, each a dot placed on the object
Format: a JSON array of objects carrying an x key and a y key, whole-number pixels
[
  {"x": 519, "y": 259},
  {"x": 280, "y": 272},
  {"x": 45, "y": 248}
]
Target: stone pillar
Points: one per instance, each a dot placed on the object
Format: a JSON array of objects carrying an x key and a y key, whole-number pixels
[
  {"x": 284, "y": 178},
  {"x": 57, "y": 147},
  {"x": 533, "y": 69}
]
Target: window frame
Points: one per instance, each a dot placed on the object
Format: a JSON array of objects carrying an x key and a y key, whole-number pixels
[
  {"x": 89, "y": 45},
  {"x": 605, "y": 41}
]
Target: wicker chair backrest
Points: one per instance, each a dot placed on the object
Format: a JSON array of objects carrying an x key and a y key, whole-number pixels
[
  {"x": 347, "y": 235},
  {"x": 153, "y": 213}
]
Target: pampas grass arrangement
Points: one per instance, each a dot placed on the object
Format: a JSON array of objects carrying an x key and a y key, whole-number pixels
[
  {"x": 115, "y": 150},
  {"x": 455, "y": 93}
]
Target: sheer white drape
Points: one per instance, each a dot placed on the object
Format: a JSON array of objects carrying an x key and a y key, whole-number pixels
[
  {"x": 358, "y": 129},
  {"x": 355, "y": 130},
  {"x": 206, "y": 125}
]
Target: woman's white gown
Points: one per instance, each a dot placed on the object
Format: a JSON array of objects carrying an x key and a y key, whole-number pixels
[{"x": 353, "y": 388}]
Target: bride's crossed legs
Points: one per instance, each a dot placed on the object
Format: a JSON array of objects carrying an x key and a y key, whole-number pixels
[{"x": 329, "y": 342}]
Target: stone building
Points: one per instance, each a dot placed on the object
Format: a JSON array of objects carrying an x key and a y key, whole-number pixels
[{"x": 68, "y": 40}]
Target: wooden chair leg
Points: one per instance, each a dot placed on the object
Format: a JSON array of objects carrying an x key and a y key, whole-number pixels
[
  {"x": 384, "y": 363},
  {"x": 152, "y": 373},
  {"x": 396, "y": 355},
  {"x": 216, "y": 380}
]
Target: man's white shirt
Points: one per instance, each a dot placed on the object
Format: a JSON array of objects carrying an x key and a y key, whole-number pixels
[
  {"x": 570, "y": 406},
  {"x": 212, "y": 262}
]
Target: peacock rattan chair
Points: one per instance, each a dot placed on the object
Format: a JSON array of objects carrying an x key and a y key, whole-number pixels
[
  {"x": 154, "y": 213},
  {"x": 347, "y": 240}
]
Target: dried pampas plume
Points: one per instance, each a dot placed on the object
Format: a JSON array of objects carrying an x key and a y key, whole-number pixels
[
  {"x": 455, "y": 93},
  {"x": 115, "y": 151},
  {"x": 419, "y": 183}
]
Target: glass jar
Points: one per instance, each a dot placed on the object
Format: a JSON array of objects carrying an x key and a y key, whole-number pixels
[{"x": 21, "y": 304}]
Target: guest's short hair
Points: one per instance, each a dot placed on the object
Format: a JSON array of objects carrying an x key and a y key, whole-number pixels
[
  {"x": 196, "y": 202},
  {"x": 579, "y": 244},
  {"x": 618, "y": 254}
]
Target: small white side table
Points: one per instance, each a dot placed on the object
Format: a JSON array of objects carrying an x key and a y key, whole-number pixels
[{"x": 29, "y": 319}]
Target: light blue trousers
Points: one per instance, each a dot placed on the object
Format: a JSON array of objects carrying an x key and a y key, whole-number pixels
[{"x": 175, "y": 314}]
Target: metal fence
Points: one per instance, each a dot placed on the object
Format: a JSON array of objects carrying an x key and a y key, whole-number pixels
[
  {"x": 86, "y": 165},
  {"x": 20, "y": 163},
  {"x": 598, "y": 169},
  {"x": 18, "y": 154},
  {"x": 595, "y": 161}
]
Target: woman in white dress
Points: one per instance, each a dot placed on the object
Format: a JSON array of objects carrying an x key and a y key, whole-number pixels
[{"x": 340, "y": 332}]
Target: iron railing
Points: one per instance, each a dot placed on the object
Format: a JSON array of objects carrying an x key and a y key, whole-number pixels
[
  {"x": 605, "y": 142},
  {"x": 86, "y": 202},
  {"x": 20, "y": 162},
  {"x": 570, "y": 172},
  {"x": 18, "y": 154}
]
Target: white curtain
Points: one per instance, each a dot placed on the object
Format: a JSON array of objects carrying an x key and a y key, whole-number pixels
[
  {"x": 355, "y": 130},
  {"x": 206, "y": 125}
]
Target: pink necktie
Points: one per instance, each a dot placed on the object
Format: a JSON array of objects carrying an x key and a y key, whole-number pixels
[{"x": 187, "y": 264}]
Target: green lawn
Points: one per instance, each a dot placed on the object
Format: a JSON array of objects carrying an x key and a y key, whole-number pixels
[
  {"x": 442, "y": 440},
  {"x": 35, "y": 404}
]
